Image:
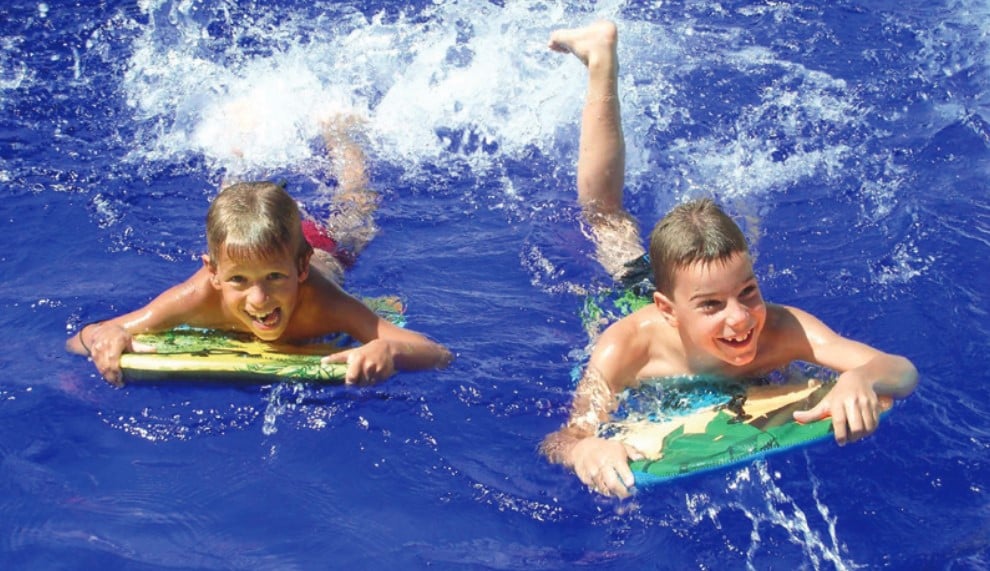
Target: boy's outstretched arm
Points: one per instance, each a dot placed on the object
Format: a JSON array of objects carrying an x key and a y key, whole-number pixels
[
  {"x": 105, "y": 341},
  {"x": 386, "y": 347},
  {"x": 866, "y": 374},
  {"x": 601, "y": 464}
]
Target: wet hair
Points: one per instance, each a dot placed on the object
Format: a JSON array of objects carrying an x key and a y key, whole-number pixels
[
  {"x": 696, "y": 231},
  {"x": 255, "y": 220}
]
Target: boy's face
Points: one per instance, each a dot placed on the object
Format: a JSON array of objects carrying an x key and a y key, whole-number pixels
[
  {"x": 718, "y": 309},
  {"x": 260, "y": 294}
]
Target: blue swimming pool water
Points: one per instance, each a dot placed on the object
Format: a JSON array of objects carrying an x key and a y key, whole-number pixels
[{"x": 851, "y": 137}]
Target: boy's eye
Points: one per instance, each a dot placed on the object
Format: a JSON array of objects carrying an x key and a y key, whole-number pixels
[
  {"x": 276, "y": 276},
  {"x": 710, "y": 305},
  {"x": 236, "y": 279}
]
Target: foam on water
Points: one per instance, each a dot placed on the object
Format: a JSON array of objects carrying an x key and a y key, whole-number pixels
[
  {"x": 456, "y": 82},
  {"x": 13, "y": 72}
]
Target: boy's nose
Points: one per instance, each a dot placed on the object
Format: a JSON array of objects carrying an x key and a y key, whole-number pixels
[
  {"x": 736, "y": 313},
  {"x": 257, "y": 295}
]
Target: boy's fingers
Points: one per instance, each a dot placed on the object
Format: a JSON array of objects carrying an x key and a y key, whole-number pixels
[
  {"x": 817, "y": 412},
  {"x": 355, "y": 371},
  {"x": 874, "y": 417},
  {"x": 338, "y": 357},
  {"x": 840, "y": 426},
  {"x": 617, "y": 483},
  {"x": 609, "y": 479},
  {"x": 633, "y": 453},
  {"x": 112, "y": 375},
  {"x": 613, "y": 487},
  {"x": 855, "y": 422},
  {"x": 138, "y": 347},
  {"x": 359, "y": 371},
  {"x": 628, "y": 480}
]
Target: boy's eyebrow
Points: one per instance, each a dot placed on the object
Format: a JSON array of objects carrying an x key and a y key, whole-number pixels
[{"x": 703, "y": 294}]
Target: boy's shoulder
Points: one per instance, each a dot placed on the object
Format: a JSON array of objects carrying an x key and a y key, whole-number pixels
[
  {"x": 323, "y": 308},
  {"x": 318, "y": 291},
  {"x": 787, "y": 335},
  {"x": 787, "y": 320},
  {"x": 637, "y": 343},
  {"x": 193, "y": 301},
  {"x": 637, "y": 326}
]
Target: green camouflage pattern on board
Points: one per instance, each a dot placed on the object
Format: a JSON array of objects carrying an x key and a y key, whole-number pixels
[
  {"x": 729, "y": 440},
  {"x": 205, "y": 353}
]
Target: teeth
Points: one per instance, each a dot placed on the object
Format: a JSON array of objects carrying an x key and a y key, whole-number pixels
[
  {"x": 740, "y": 338},
  {"x": 262, "y": 317}
]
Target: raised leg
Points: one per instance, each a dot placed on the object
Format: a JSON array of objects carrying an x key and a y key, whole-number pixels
[
  {"x": 353, "y": 206},
  {"x": 602, "y": 153}
]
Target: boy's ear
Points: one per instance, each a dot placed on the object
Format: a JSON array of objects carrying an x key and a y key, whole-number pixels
[
  {"x": 212, "y": 269},
  {"x": 666, "y": 308},
  {"x": 304, "y": 266}
]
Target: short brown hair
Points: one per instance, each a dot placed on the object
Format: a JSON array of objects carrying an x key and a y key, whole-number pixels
[
  {"x": 696, "y": 231},
  {"x": 255, "y": 220}
]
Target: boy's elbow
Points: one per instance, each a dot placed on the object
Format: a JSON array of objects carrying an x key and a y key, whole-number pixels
[
  {"x": 909, "y": 376},
  {"x": 558, "y": 446},
  {"x": 444, "y": 357},
  {"x": 904, "y": 377},
  {"x": 892, "y": 375}
]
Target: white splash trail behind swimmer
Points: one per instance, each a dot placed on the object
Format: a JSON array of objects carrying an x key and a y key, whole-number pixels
[
  {"x": 475, "y": 83},
  {"x": 455, "y": 82}
]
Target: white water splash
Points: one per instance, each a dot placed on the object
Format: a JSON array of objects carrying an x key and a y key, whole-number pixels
[
  {"x": 466, "y": 82},
  {"x": 774, "y": 509},
  {"x": 14, "y": 73}
]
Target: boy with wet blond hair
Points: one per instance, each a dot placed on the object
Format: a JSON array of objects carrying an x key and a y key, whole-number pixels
[
  {"x": 255, "y": 219},
  {"x": 271, "y": 273},
  {"x": 707, "y": 316}
]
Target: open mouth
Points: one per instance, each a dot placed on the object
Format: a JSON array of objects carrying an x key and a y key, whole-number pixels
[
  {"x": 266, "y": 320},
  {"x": 738, "y": 340}
]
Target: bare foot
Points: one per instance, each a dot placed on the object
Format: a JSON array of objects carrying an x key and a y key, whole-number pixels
[
  {"x": 340, "y": 126},
  {"x": 586, "y": 43},
  {"x": 241, "y": 120}
]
